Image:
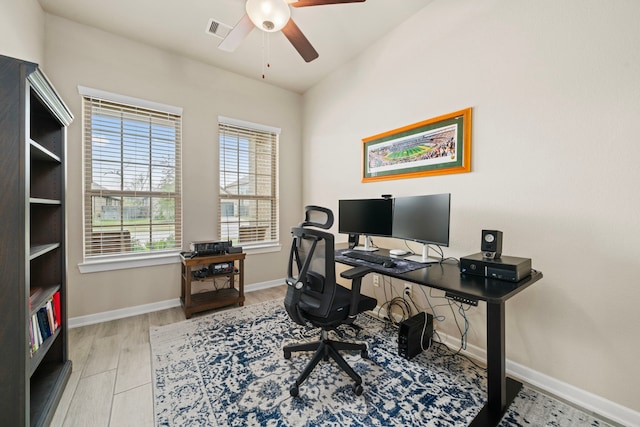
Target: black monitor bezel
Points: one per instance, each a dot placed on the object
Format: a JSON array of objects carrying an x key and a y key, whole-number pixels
[{"x": 381, "y": 232}]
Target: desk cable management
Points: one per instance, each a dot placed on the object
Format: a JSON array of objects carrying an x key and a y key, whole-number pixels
[{"x": 403, "y": 304}]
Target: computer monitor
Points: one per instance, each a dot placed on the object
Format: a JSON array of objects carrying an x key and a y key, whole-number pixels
[
  {"x": 424, "y": 219},
  {"x": 370, "y": 217}
]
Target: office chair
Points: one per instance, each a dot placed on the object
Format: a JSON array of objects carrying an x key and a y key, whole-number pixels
[{"x": 313, "y": 296}]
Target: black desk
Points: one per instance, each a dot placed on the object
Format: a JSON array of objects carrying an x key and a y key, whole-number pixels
[{"x": 501, "y": 390}]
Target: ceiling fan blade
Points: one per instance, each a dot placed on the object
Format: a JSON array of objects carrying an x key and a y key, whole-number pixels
[
  {"x": 299, "y": 41},
  {"x": 305, "y": 3},
  {"x": 237, "y": 34}
]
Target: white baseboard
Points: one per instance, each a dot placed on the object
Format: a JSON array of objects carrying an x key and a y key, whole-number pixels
[
  {"x": 578, "y": 397},
  {"x": 105, "y": 316},
  {"x": 585, "y": 400}
]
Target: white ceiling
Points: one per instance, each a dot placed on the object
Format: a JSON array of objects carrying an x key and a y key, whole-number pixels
[{"x": 338, "y": 32}]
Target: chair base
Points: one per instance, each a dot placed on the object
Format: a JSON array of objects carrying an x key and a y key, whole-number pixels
[{"x": 325, "y": 348}]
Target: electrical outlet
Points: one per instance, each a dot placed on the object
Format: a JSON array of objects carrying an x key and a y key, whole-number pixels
[
  {"x": 376, "y": 280},
  {"x": 408, "y": 289}
]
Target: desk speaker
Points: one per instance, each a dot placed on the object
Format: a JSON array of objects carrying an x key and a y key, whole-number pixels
[{"x": 491, "y": 244}]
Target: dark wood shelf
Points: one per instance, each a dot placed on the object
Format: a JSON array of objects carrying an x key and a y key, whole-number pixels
[
  {"x": 194, "y": 303},
  {"x": 38, "y": 152},
  {"x": 33, "y": 126},
  {"x": 47, "y": 386},
  {"x": 38, "y": 299},
  {"x": 213, "y": 299},
  {"x": 42, "y": 351},
  {"x": 39, "y": 250},
  {"x": 37, "y": 201}
]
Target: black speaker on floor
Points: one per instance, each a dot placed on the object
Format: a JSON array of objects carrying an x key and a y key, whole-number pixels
[{"x": 491, "y": 245}]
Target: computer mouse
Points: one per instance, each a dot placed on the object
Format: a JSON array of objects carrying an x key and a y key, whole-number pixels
[{"x": 388, "y": 264}]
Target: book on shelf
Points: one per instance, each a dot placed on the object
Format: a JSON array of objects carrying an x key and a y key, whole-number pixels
[{"x": 44, "y": 322}]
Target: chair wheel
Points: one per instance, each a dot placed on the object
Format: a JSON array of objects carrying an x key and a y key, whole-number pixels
[
  {"x": 357, "y": 389},
  {"x": 287, "y": 355},
  {"x": 293, "y": 391}
]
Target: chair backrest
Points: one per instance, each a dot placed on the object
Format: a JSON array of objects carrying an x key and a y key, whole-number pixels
[{"x": 311, "y": 276}]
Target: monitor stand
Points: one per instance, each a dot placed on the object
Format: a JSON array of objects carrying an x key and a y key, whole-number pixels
[
  {"x": 367, "y": 246},
  {"x": 424, "y": 258}
]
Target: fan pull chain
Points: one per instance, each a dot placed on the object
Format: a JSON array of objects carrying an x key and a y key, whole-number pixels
[{"x": 265, "y": 53}]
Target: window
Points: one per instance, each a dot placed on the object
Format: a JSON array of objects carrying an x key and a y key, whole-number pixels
[
  {"x": 132, "y": 177},
  {"x": 248, "y": 198}
]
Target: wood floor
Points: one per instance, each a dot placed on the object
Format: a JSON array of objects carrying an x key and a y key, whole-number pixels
[{"x": 110, "y": 384}]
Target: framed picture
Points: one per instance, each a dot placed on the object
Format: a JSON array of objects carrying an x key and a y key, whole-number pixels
[{"x": 437, "y": 146}]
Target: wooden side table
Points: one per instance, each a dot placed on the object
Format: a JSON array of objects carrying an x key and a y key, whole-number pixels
[{"x": 217, "y": 298}]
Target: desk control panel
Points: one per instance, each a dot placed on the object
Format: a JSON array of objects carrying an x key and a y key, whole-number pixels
[{"x": 461, "y": 299}]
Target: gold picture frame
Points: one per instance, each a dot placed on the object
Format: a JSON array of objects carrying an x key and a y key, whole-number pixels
[{"x": 437, "y": 146}]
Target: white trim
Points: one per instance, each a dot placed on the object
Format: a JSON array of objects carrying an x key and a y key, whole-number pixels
[
  {"x": 250, "y": 125},
  {"x": 121, "y": 263},
  {"x": 581, "y": 399},
  {"x": 124, "y": 262},
  {"x": 262, "y": 249},
  {"x": 129, "y": 100},
  {"x": 106, "y": 316},
  {"x": 584, "y": 399},
  {"x": 264, "y": 285}
]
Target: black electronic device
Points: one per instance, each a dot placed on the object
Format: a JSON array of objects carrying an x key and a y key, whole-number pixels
[
  {"x": 461, "y": 299},
  {"x": 221, "y": 268},
  {"x": 491, "y": 244},
  {"x": 369, "y": 217},
  {"x": 234, "y": 249},
  {"x": 509, "y": 268},
  {"x": 424, "y": 219},
  {"x": 414, "y": 336},
  {"x": 354, "y": 240},
  {"x": 375, "y": 259},
  {"x": 210, "y": 248}
]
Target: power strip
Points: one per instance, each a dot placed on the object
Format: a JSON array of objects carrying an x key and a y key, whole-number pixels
[{"x": 461, "y": 299}]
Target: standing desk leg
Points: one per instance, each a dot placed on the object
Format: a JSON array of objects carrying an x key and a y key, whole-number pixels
[
  {"x": 500, "y": 390},
  {"x": 496, "y": 373}
]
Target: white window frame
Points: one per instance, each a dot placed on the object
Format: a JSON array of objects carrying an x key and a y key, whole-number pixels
[
  {"x": 118, "y": 261},
  {"x": 266, "y": 134}
]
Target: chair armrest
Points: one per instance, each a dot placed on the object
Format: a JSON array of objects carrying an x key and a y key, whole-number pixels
[
  {"x": 355, "y": 275},
  {"x": 354, "y": 272}
]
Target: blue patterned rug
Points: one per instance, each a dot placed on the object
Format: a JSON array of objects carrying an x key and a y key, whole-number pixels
[{"x": 228, "y": 369}]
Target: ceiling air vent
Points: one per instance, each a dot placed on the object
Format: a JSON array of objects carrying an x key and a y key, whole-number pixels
[{"x": 217, "y": 28}]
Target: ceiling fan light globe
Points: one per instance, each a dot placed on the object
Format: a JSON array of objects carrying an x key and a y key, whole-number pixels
[{"x": 268, "y": 15}]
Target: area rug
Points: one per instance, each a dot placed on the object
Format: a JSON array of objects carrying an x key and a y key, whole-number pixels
[{"x": 228, "y": 369}]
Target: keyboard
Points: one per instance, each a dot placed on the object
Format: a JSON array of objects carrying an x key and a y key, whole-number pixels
[{"x": 376, "y": 259}]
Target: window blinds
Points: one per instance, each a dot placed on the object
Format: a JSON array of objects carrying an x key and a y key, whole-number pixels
[
  {"x": 248, "y": 198},
  {"x": 132, "y": 179}
]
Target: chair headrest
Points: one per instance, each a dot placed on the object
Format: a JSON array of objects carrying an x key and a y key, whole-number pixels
[{"x": 317, "y": 216}]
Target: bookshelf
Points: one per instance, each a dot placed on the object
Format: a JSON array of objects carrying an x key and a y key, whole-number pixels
[{"x": 34, "y": 363}]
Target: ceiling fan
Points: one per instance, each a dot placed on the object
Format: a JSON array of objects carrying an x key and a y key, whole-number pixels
[{"x": 272, "y": 16}]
